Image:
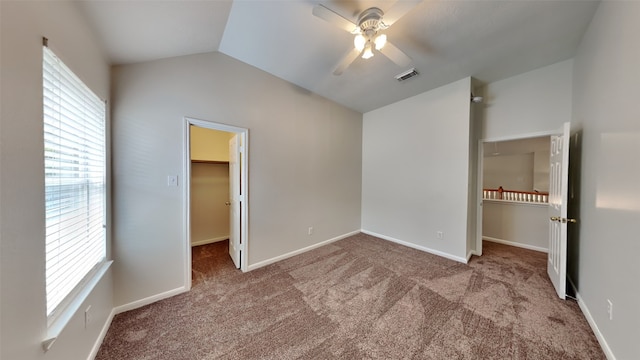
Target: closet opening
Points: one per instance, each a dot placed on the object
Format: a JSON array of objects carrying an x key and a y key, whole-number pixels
[{"x": 216, "y": 201}]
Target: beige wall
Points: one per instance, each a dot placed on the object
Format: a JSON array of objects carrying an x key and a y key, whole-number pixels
[
  {"x": 209, "y": 192},
  {"x": 209, "y": 145},
  {"x": 22, "y": 223},
  {"x": 304, "y": 164},
  {"x": 209, "y": 185}
]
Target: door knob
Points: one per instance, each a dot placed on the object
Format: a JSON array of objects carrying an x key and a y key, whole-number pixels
[
  {"x": 569, "y": 220},
  {"x": 555, "y": 218},
  {"x": 227, "y": 203}
]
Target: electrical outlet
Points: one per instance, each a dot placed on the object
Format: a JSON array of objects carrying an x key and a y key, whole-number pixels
[
  {"x": 610, "y": 309},
  {"x": 310, "y": 230},
  {"x": 87, "y": 317},
  {"x": 439, "y": 235}
]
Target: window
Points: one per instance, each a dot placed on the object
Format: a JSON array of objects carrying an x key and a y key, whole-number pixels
[{"x": 74, "y": 167}]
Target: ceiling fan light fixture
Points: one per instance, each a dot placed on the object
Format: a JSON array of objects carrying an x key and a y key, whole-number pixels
[
  {"x": 359, "y": 42},
  {"x": 367, "y": 34},
  {"x": 367, "y": 54},
  {"x": 380, "y": 41}
]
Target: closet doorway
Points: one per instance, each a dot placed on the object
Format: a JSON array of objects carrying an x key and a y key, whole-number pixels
[{"x": 216, "y": 205}]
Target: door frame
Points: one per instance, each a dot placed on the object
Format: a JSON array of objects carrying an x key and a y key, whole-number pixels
[
  {"x": 243, "y": 135},
  {"x": 479, "y": 199}
]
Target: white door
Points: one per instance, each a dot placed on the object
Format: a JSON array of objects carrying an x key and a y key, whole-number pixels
[
  {"x": 235, "y": 201},
  {"x": 558, "y": 190}
]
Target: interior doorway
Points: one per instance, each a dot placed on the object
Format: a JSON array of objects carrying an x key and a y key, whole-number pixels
[
  {"x": 210, "y": 180},
  {"x": 513, "y": 189},
  {"x": 227, "y": 151}
]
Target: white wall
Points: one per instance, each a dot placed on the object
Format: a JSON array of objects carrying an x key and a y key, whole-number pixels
[
  {"x": 415, "y": 169},
  {"x": 605, "y": 261},
  {"x": 541, "y": 160},
  {"x": 304, "y": 163},
  {"x": 474, "y": 225},
  {"x": 529, "y": 103},
  {"x": 22, "y": 223},
  {"x": 512, "y": 172},
  {"x": 518, "y": 224}
]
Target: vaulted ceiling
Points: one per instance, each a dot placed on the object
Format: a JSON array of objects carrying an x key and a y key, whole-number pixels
[{"x": 447, "y": 40}]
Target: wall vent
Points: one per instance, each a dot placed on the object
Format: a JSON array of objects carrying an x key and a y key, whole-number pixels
[{"x": 406, "y": 75}]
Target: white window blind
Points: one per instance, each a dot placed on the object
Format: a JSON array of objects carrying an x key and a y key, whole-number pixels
[{"x": 74, "y": 166}]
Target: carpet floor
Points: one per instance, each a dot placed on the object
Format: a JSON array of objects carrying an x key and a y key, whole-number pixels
[{"x": 360, "y": 298}]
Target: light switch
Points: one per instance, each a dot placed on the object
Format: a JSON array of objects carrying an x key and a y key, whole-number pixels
[{"x": 172, "y": 180}]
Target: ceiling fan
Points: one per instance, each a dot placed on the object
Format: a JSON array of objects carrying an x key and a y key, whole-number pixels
[{"x": 368, "y": 32}]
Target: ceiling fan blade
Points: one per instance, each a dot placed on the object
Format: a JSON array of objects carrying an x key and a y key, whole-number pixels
[
  {"x": 336, "y": 19},
  {"x": 396, "y": 55},
  {"x": 398, "y": 10},
  {"x": 346, "y": 61}
]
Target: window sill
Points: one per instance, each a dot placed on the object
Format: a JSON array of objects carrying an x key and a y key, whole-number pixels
[{"x": 61, "y": 321}]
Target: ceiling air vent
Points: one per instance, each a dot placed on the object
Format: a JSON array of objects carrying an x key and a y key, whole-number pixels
[{"x": 406, "y": 75}]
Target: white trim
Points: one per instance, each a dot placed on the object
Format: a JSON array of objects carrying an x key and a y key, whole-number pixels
[
  {"x": 521, "y": 136},
  {"x": 101, "y": 336},
  {"x": 470, "y": 254},
  {"x": 63, "y": 319},
  {"x": 300, "y": 251},
  {"x": 186, "y": 203},
  {"x": 215, "y": 125},
  {"x": 479, "y": 199},
  {"x": 515, "y": 202},
  {"x": 417, "y": 247},
  {"x": 209, "y": 241},
  {"x": 149, "y": 300},
  {"x": 592, "y": 323},
  {"x": 516, "y": 244}
]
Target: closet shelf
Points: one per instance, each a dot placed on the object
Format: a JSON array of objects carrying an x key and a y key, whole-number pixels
[{"x": 208, "y": 162}]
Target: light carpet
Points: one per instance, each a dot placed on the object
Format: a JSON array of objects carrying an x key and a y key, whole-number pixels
[{"x": 360, "y": 298}]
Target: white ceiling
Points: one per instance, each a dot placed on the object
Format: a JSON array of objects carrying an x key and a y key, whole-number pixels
[{"x": 447, "y": 40}]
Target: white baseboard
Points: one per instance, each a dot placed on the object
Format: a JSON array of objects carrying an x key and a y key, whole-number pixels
[
  {"x": 417, "y": 247},
  {"x": 512, "y": 243},
  {"x": 587, "y": 314},
  {"x": 209, "y": 241},
  {"x": 149, "y": 300},
  {"x": 300, "y": 251},
  {"x": 470, "y": 254},
  {"x": 103, "y": 333}
]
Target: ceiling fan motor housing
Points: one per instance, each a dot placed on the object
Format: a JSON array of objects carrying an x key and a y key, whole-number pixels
[{"x": 370, "y": 20}]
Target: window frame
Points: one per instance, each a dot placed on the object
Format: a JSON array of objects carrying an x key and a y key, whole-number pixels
[{"x": 60, "y": 315}]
